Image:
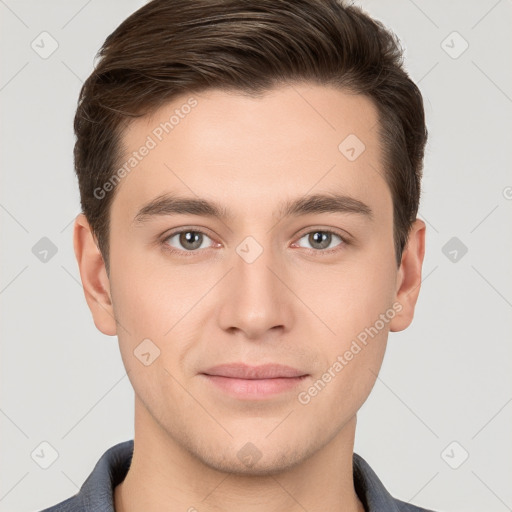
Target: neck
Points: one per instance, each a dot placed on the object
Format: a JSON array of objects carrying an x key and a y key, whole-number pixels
[{"x": 165, "y": 476}]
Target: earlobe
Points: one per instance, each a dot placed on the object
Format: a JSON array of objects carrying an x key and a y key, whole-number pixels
[
  {"x": 94, "y": 277},
  {"x": 409, "y": 276}
]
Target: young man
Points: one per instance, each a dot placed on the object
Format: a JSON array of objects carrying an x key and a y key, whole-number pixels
[{"x": 249, "y": 174}]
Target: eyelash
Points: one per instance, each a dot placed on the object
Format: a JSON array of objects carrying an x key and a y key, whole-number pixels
[{"x": 316, "y": 252}]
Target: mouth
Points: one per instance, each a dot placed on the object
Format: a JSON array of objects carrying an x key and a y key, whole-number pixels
[{"x": 254, "y": 382}]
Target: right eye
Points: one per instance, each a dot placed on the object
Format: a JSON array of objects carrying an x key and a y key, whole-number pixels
[{"x": 187, "y": 240}]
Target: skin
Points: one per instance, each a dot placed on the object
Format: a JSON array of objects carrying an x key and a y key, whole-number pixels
[{"x": 291, "y": 305}]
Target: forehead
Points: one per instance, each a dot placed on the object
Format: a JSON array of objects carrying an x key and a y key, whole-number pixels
[{"x": 251, "y": 152}]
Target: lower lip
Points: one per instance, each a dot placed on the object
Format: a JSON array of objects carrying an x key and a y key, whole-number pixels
[{"x": 255, "y": 388}]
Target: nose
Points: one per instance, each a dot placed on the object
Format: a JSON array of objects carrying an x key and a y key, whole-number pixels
[{"x": 255, "y": 299}]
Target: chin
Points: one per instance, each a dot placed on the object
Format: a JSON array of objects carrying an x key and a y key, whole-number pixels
[{"x": 272, "y": 464}]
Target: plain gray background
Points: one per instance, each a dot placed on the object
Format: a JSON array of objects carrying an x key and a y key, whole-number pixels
[{"x": 445, "y": 389}]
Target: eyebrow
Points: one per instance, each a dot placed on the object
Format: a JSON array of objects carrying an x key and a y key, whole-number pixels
[{"x": 169, "y": 204}]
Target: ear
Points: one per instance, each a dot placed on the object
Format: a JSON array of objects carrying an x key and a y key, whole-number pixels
[
  {"x": 409, "y": 276},
  {"x": 94, "y": 277}
]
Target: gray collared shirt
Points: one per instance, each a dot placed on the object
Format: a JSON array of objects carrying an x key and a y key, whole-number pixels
[{"x": 97, "y": 492}]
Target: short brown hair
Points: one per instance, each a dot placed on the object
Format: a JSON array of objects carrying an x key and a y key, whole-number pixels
[{"x": 174, "y": 47}]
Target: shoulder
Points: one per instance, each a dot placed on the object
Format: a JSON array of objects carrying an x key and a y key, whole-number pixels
[
  {"x": 97, "y": 492},
  {"x": 402, "y": 506},
  {"x": 70, "y": 505},
  {"x": 372, "y": 493}
]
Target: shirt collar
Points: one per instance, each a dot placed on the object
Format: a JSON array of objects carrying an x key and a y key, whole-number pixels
[
  {"x": 370, "y": 490},
  {"x": 97, "y": 492}
]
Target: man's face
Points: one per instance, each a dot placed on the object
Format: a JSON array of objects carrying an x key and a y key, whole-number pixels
[{"x": 254, "y": 287}]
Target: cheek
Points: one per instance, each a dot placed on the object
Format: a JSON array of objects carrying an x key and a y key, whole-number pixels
[
  {"x": 351, "y": 363},
  {"x": 151, "y": 296},
  {"x": 347, "y": 298},
  {"x": 160, "y": 303},
  {"x": 153, "y": 329},
  {"x": 356, "y": 302}
]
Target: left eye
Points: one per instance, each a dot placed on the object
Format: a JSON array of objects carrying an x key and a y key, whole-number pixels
[
  {"x": 188, "y": 240},
  {"x": 320, "y": 240}
]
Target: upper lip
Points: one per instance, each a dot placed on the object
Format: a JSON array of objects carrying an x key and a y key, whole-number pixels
[{"x": 245, "y": 371}]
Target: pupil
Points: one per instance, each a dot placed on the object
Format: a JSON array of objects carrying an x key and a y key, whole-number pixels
[
  {"x": 191, "y": 239},
  {"x": 321, "y": 238}
]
